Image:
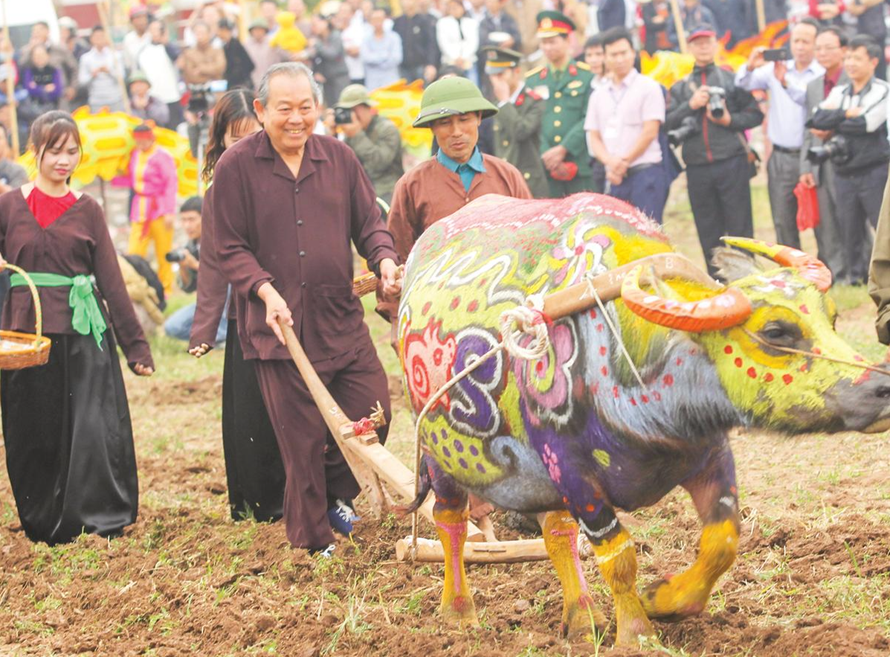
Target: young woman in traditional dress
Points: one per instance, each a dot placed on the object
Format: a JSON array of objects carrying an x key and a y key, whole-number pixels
[
  {"x": 254, "y": 472},
  {"x": 66, "y": 424}
]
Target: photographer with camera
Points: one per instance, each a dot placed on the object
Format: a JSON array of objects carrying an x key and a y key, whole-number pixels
[
  {"x": 708, "y": 114},
  {"x": 786, "y": 80},
  {"x": 853, "y": 123},
  {"x": 374, "y": 138},
  {"x": 201, "y": 64},
  {"x": 831, "y": 48},
  {"x": 179, "y": 325}
]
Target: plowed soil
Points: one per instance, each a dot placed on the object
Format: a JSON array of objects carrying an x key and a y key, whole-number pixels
[{"x": 812, "y": 577}]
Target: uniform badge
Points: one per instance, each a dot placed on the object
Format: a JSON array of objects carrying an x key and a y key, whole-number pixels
[{"x": 574, "y": 84}]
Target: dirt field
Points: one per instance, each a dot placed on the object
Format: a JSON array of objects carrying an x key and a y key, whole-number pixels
[{"x": 813, "y": 576}]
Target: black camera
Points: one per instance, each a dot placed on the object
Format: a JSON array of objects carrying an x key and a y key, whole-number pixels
[
  {"x": 199, "y": 98},
  {"x": 776, "y": 55},
  {"x": 835, "y": 149},
  {"x": 717, "y": 101},
  {"x": 688, "y": 127},
  {"x": 175, "y": 256},
  {"x": 342, "y": 115}
]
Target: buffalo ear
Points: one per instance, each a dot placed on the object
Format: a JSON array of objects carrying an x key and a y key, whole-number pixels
[{"x": 733, "y": 264}]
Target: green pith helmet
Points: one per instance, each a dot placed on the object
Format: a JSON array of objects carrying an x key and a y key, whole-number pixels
[
  {"x": 355, "y": 94},
  {"x": 138, "y": 76},
  {"x": 452, "y": 96}
]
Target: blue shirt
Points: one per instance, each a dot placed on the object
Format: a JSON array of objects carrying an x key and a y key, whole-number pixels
[
  {"x": 787, "y": 106},
  {"x": 466, "y": 171}
]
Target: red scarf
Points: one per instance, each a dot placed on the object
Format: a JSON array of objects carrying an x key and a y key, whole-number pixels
[{"x": 46, "y": 209}]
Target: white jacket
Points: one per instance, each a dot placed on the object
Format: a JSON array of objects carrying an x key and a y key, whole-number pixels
[{"x": 457, "y": 41}]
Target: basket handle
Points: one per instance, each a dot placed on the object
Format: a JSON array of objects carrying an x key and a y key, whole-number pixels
[{"x": 38, "y": 311}]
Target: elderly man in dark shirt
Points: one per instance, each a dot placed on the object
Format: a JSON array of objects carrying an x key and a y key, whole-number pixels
[{"x": 287, "y": 205}]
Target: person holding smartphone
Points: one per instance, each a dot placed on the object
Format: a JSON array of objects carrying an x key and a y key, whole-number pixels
[{"x": 786, "y": 81}]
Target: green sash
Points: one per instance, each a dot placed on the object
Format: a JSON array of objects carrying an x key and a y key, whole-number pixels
[{"x": 86, "y": 317}]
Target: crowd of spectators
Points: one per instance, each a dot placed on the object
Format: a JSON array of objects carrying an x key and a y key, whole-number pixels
[{"x": 615, "y": 125}]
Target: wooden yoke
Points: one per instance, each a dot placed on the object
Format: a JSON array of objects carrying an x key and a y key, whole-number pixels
[{"x": 577, "y": 298}]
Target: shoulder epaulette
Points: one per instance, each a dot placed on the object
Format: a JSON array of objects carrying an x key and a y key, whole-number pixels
[
  {"x": 534, "y": 71},
  {"x": 582, "y": 65}
]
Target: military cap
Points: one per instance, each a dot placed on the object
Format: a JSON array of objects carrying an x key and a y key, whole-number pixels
[
  {"x": 497, "y": 59},
  {"x": 553, "y": 23}
]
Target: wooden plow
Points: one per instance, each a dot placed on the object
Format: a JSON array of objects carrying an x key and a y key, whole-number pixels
[{"x": 374, "y": 466}]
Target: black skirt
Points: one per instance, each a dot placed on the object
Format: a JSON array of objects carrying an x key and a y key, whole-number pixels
[
  {"x": 69, "y": 442},
  {"x": 254, "y": 472}
]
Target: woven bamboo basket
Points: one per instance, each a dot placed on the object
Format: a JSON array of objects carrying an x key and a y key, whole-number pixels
[
  {"x": 20, "y": 350},
  {"x": 364, "y": 284}
]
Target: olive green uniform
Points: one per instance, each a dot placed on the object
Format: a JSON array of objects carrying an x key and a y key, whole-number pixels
[
  {"x": 879, "y": 271},
  {"x": 566, "y": 94},
  {"x": 517, "y": 139}
]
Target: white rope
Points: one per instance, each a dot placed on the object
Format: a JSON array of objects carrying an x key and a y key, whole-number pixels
[
  {"x": 591, "y": 291},
  {"x": 514, "y": 323}
]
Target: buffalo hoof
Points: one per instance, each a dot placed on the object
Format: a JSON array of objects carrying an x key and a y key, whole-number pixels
[
  {"x": 633, "y": 624},
  {"x": 582, "y": 620},
  {"x": 674, "y": 598},
  {"x": 460, "y": 611}
]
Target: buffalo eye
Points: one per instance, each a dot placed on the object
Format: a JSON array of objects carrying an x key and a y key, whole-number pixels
[{"x": 783, "y": 334}]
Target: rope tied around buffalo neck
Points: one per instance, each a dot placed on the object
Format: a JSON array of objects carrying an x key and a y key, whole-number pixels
[{"x": 514, "y": 323}]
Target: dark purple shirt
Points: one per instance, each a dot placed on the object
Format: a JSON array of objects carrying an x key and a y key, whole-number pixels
[
  {"x": 76, "y": 243},
  {"x": 296, "y": 234}
]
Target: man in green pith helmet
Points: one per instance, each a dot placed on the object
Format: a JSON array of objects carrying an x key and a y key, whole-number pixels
[
  {"x": 453, "y": 109},
  {"x": 517, "y": 126},
  {"x": 564, "y": 83}
]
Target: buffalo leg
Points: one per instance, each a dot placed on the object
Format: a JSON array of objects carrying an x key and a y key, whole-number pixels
[
  {"x": 714, "y": 493},
  {"x": 617, "y": 561},
  {"x": 613, "y": 546},
  {"x": 579, "y": 616},
  {"x": 450, "y": 513}
]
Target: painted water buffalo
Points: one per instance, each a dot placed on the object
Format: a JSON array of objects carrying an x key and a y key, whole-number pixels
[{"x": 574, "y": 433}]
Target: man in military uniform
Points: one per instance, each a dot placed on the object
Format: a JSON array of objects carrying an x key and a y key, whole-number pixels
[
  {"x": 517, "y": 126},
  {"x": 565, "y": 86}
]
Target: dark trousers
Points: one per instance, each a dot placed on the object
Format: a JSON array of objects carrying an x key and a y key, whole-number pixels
[
  {"x": 828, "y": 237},
  {"x": 315, "y": 469},
  {"x": 720, "y": 196},
  {"x": 646, "y": 189},
  {"x": 69, "y": 442},
  {"x": 783, "y": 174},
  {"x": 598, "y": 176},
  {"x": 858, "y": 200},
  {"x": 254, "y": 472}
]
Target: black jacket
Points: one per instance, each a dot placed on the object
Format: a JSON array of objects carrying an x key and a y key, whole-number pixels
[
  {"x": 239, "y": 65},
  {"x": 419, "y": 45},
  {"x": 866, "y": 135},
  {"x": 712, "y": 142}
]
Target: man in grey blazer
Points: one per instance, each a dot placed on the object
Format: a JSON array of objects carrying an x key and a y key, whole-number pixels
[{"x": 831, "y": 46}]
